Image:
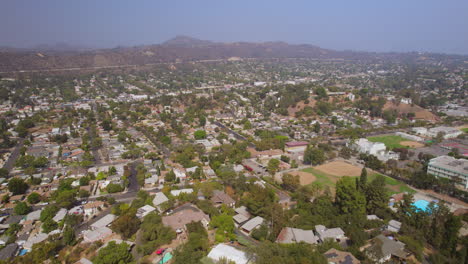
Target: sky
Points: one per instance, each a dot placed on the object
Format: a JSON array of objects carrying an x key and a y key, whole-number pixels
[{"x": 361, "y": 25}]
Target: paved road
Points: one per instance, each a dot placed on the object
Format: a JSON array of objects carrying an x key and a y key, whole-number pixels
[
  {"x": 132, "y": 179},
  {"x": 10, "y": 163},
  {"x": 234, "y": 133}
]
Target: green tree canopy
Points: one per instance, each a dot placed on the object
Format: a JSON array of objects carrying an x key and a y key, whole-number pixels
[
  {"x": 114, "y": 254},
  {"x": 17, "y": 186}
]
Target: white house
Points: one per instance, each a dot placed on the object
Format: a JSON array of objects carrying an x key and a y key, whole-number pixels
[
  {"x": 378, "y": 149},
  {"x": 222, "y": 251},
  {"x": 178, "y": 192}
]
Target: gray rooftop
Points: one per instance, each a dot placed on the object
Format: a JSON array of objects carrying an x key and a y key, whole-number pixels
[
  {"x": 451, "y": 163},
  {"x": 253, "y": 223}
]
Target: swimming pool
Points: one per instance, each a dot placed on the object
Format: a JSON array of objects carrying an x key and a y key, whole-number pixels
[{"x": 422, "y": 205}]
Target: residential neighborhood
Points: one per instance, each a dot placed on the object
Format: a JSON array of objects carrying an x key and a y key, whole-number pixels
[{"x": 238, "y": 160}]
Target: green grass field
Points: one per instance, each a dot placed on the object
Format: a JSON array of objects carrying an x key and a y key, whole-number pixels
[
  {"x": 464, "y": 129},
  {"x": 324, "y": 179},
  {"x": 390, "y": 141}
]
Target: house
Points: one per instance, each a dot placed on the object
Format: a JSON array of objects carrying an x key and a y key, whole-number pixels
[
  {"x": 252, "y": 224},
  {"x": 243, "y": 211},
  {"x": 394, "y": 226},
  {"x": 295, "y": 146},
  {"x": 92, "y": 208},
  {"x": 373, "y": 217},
  {"x": 4, "y": 239},
  {"x": 289, "y": 235},
  {"x": 242, "y": 216},
  {"x": 144, "y": 211},
  {"x": 60, "y": 215},
  {"x": 84, "y": 261},
  {"x": 180, "y": 174},
  {"x": 159, "y": 199},
  {"x": 34, "y": 215},
  {"x": 382, "y": 249},
  {"x": 230, "y": 253},
  {"x": 447, "y": 132},
  {"x": 220, "y": 197},
  {"x": 9, "y": 251},
  {"x": 176, "y": 193},
  {"x": 324, "y": 233},
  {"x": 340, "y": 257},
  {"x": 183, "y": 215},
  {"x": 377, "y": 149},
  {"x": 239, "y": 219},
  {"x": 32, "y": 240},
  {"x": 103, "y": 222},
  {"x": 101, "y": 233}
]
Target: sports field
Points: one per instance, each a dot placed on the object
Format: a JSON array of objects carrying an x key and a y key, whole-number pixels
[
  {"x": 316, "y": 176},
  {"x": 391, "y": 141}
]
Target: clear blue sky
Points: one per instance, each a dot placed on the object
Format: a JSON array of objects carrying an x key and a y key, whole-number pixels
[{"x": 377, "y": 25}]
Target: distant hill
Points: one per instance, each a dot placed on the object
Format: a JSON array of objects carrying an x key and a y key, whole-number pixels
[
  {"x": 180, "y": 49},
  {"x": 186, "y": 41},
  {"x": 420, "y": 113}
]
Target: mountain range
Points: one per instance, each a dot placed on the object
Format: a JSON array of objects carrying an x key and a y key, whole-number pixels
[{"x": 178, "y": 49}]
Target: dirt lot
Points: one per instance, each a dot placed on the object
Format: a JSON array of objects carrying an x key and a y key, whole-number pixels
[
  {"x": 304, "y": 177},
  {"x": 339, "y": 168},
  {"x": 411, "y": 144}
]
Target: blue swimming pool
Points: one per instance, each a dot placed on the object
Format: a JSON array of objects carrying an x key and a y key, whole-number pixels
[{"x": 422, "y": 205}]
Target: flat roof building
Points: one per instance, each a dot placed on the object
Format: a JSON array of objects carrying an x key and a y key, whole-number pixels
[{"x": 450, "y": 168}]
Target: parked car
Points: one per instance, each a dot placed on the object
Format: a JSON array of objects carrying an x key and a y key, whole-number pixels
[{"x": 160, "y": 251}]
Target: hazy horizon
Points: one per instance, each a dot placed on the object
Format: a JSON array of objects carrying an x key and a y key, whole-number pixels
[{"x": 397, "y": 26}]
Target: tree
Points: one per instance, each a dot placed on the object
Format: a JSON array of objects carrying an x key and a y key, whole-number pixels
[
  {"x": 66, "y": 198},
  {"x": 126, "y": 225},
  {"x": 48, "y": 212},
  {"x": 22, "y": 208},
  {"x": 290, "y": 182},
  {"x": 314, "y": 156},
  {"x": 363, "y": 179},
  {"x": 69, "y": 235},
  {"x": 114, "y": 188},
  {"x": 49, "y": 225},
  {"x": 247, "y": 125},
  {"x": 316, "y": 127},
  {"x": 200, "y": 134},
  {"x": 348, "y": 198},
  {"x": 114, "y": 254},
  {"x": 84, "y": 181},
  {"x": 153, "y": 234},
  {"x": 285, "y": 158},
  {"x": 83, "y": 193},
  {"x": 170, "y": 176},
  {"x": 376, "y": 195},
  {"x": 3, "y": 173},
  {"x": 321, "y": 93},
  {"x": 345, "y": 152},
  {"x": 17, "y": 186},
  {"x": 260, "y": 233},
  {"x": 273, "y": 166},
  {"x": 268, "y": 252},
  {"x": 34, "y": 198},
  {"x": 225, "y": 227}
]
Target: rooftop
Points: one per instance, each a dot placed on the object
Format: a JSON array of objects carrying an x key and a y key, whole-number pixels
[
  {"x": 230, "y": 253},
  {"x": 290, "y": 235},
  {"x": 451, "y": 163}
]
